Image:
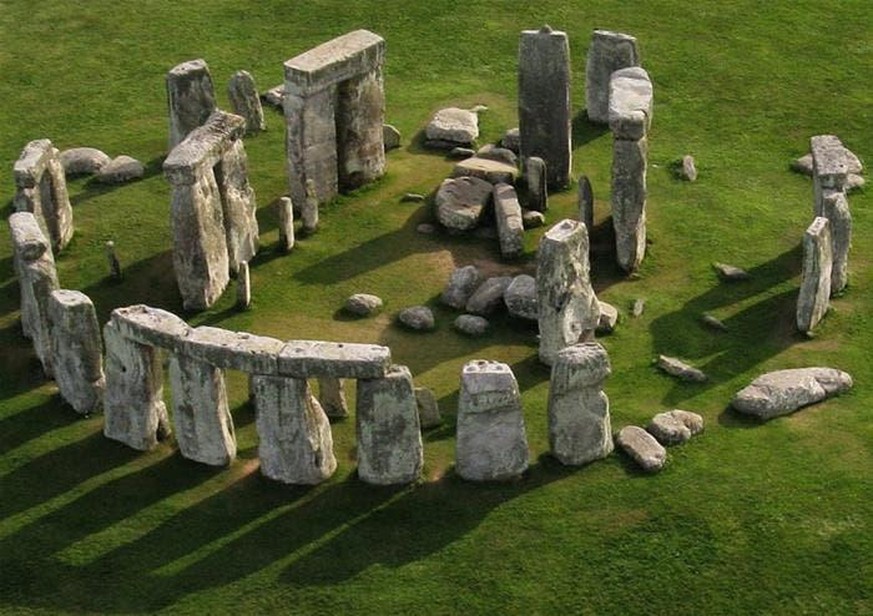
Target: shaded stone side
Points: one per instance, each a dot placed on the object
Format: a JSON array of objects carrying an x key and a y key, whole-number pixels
[
  {"x": 41, "y": 188},
  {"x": 544, "y": 101},
  {"x": 815, "y": 278},
  {"x": 133, "y": 403},
  {"x": 607, "y": 53},
  {"x": 359, "y": 120},
  {"x": 296, "y": 444},
  {"x": 310, "y": 144},
  {"x": 204, "y": 426},
  {"x": 835, "y": 207},
  {"x": 629, "y": 201},
  {"x": 190, "y": 98},
  {"x": 30, "y": 246},
  {"x": 332, "y": 396},
  {"x": 388, "y": 430},
  {"x": 238, "y": 205},
  {"x": 38, "y": 278}
]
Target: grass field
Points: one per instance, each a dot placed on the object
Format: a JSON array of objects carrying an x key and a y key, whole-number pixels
[{"x": 748, "y": 518}]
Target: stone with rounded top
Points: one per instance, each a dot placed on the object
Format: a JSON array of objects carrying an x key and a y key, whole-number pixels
[
  {"x": 675, "y": 427},
  {"x": 643, "y": 448},
  {"x": 785, "y": 391}
]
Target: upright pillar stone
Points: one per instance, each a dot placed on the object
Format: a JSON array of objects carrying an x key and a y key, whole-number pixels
[
  {"x": 296, "y": 444},
  {"x": 535, "y": 175},
  {"x": 332, "y": 396},
  {"x": 190, "y": 98},
  {"x": 133, "y": 403},
  {"x": 286, "y": 224},
  {"x": 238, "y": 204},
  {"x": 630, "y": 114},
  {"x": 544, "y": 101},
  {"x": 243, "y": 287},
  {"x": 608, "y": 52},
  {"x": 815, "y": 278},
  {"x": 389, "y": 434},
  {"x": 836, "y": 210},
  {"x": 41, "y": 188},
  {"x": 579, "y": 426},
  {"x": 245, "y": 101},
  {"x": 334, "y": 112},
  {"x": 491, "y": 440},
  {"x": 568, "y": 307},
  {"x": 77, "y": 350},
  {"x": 204, "y": 426}
]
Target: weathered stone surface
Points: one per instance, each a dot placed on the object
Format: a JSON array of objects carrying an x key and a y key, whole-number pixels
[
  {"x": 488, "y": 296},
  {"x": 244, "y": 100},
  {"x": 309, "y": 209},
  {"x": 815, "y": 278},
  {"x": 41, "y": 188},
  {"x": 638, "y": 307},
  {"x": 388, "y": 431},
  {"x": 315, "y": 358},
  {"x": 510, "y": 228},
  {"x": 630, "y": 103},
  {"x": 854, "y": 182},
  {"x": 493, "y": 152},
  {"x": 461, "y": 285},
  {"x": 28, "y": 241},
  {"x": 532, "y": 220},
  {"x": 332, "y": 396},
  {"x": 586, "y": 203},
  {"x": 286, "y": 224},
  {"x": 412, "y": 198},
  {"x": 120, "y": 169},
  {"x": 231, "y": 350},
  {"x": 629, "y": 201},
  {"x": 647, "y": 452},
  {"x": 784, "y": 391},
  {"x": 419, "y": 318},
  {"x": 133, "y": 403},
  {"x": 493, "y": 171},
  {"x": 688, "y": 171},
  {"x": 579, "y": 424},
  {"x": 191, "y": 98},
  {"x": 150, "y": 326},
  {"x": 461, "y": 202},
  {"x": 608, "y": 52},
  {"x": 390, "y": 137},
  {"x": 203, "y": 148},
  {"x": 275, "y": 96},
  {"x": 428, "y": 409},
  {"x": 608, "y": 318},
  {"x": 730, "y": 273},
  {"x": 37, "y": 279},
  {"x": 491, "y": 442},
  {"x": 239, "y": 205},
  {"x": 77, "y": 350},
  {"x": 295, "y": 442},
  {"x": 675, "y": 427},
  {"x": 243, "y": 287},
  {"x": 681, "y": 370},
  {"x": 363, "y": 304},
  {"x": 520, "y": 298},
  {"x": 537, "y": 189},
  {"x": 713, "y": 322},
  {"x": 835, "y": 207},
  {"x": 83, "y": 161},
  {"x": 471, "y": 325},
  {"x": 459, "y": 126},
  {"x": 544, "y": 113},
  {"x": 511, "y": 140},
  {"x": 568, "y": 308}
]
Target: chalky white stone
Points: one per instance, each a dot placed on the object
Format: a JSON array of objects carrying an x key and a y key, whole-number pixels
[
  {"x": 630, "y": 103},
  {"x": 830, "y": 168},
  {"x": 41, "y": 188},
  {"x": 453, "y": 125},
  {"x": 607, "y": 53},
  {"x": 244, "y": 99},
  {"x": 784, "y": 391},
  {"x": 675, "y": 427},
  {"x": 815, "y": 278}
]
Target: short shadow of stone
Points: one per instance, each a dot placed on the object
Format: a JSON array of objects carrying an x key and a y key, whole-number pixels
[{"x": 584, "y": 131}]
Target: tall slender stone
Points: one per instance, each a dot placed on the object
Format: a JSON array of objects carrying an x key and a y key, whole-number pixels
[
  {"x": 579, "y": 425},
  {"x": 77, "y": 350},
  {"x": 332, "y": 396},
  {"x": 835, "y": 207},
  {"x": 491, "y": 440},
  {"x": 112, "y": 260},
  {"x": 535, "y": 175},
  {"x": 296, "y": 444},
  {"x": 815, "y": 279},
  {"x": 238, "y": 204},
  {"x": 190, "y": 97},
  {"x": 388, "y": 430},
  {"x": 544, "y": 101},
  {"x": 286, "y": 224},
  {"x": 41, "y": 188},
  {"x": 607, "y": 53},
  {"x": 568, "y": 308},
  {"x": 309, "y": 210},
  {"x": 245, "y": 101}
]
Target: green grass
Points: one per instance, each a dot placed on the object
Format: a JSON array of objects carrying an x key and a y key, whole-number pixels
[{"x": 748, "y": 518}]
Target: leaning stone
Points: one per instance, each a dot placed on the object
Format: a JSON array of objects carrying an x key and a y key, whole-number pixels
[
  {"x": 681, "y": 370},
  {"x": 388, "y": 431},
  {"x": 315, "y": 358},
  {"x": 488, "y": 297},
  {"x": 730, "y": 273},
  {"x": 41, "y": 188},
  {"x": 815, "y": 279},
  {"x": 713, "y": 322},
  {"x": 83, "y": 161},
  {"x": 537, "y": 191},
  {"x": 520, "y": 298},
  {"x": 638, "y": 307},
  {"x": 120, "y": 169},
  {"x": 419, "y": 318},
  {"x": 243, "y": 96},
  {"x": 511, "y": 140},
  {"x": 784, "y": 391},
  {"x": 191, "y": 98},
  {"x": 503, "y": 155},
  {"x": 332, "y": 396},
  {"x": 363, "y": 304},
  {"x": 286, "y": 224},
  {"x": 491, "y": 442},
  {"x": 243, "y": 287},
  {"x": 150, "y": 326},
  {"x": 390, "y": 137},
  {"x": 461, "y": 202},
  {"x": 688, "y": 172},
  {"x": 586, "y": 203},
  {"x": 835, "y": 207},
  {"x": 630, "y": 103},
  {"x": 274, "y": 96},
  {"x": 471, "y": 325},
  {"x": 607, "y": 53},
  {"x": 461, "y": 285},
  {"x": 629, "y": 201},
  {"x": 460, "y": 153},
  {"x": 493, "y": 171},
  {"x": 510, "y": 228},
  {"x": 675, "y": 427},
  {"x": 428, "y": 409},
  {"x": 295, "y": 444},
  {"x": 232, "y": 350},
  {"x": 648, "y": 453},
  {"x": 608, "y": 318},
  {"x": 454, "y": 125},
  {"x": 532, "y": 219},
  {"x": 77, "y": 347}
]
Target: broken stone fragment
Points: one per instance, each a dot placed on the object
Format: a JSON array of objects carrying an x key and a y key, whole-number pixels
[
  {"x": 510, "y": 228},
  {"x": 503, "y": 155},
  {"x": 274, "y": 96},
  {"x": 488, "y": 297},
  {"x": 688, "y": 171},
  {"x": 532, "y": 219},
  {"x": 243, "y": 95},
  {"x": 681, "y": 370},
  {"x": 730, "y": 273},
  {"x": 363, "y": 304},
  {"x": 784, "y": 391},
  {"x": 492, "y": 171},
  {"x": 713, "y": 323},
  {"x": 454, "y": 125},
  {"x": 511, "y": 140},
  {"x": 83, "y": 161},
  {"x": 537, "y": 183},
  {"x": 642, "y": 447},
  {"x": 675, "y": 427},
  {"x": 460, "y": 287},
  {"x": 471, "y": 325},
  {"x": 428, "y": 409},
  {"x": 608, "y": 318},
  {"x": 520, "y": 298},
  {"x": 390, "y": 137}
]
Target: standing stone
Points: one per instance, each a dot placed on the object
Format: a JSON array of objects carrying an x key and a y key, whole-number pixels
[
  {"x": 244, "y": 100},
  {"x": 537, "y": 191},
  {"x": 428, "y": 409},
  {"x": 191, "y": 98},
  {"x": 586, "y": 203},
  {"x": 112, "y": 260},
  {"x": 389, "y": 434},
  {"x": 815, "y": 279},
  {"x": 608, "y": 52},
  {"x": 568, "y": 308},
  {"x": 462, "y": 283},
  {"x": 286, "y": 224},
  {"x": 77, "y": 349},
  {"x": 334, "y": 111},
  {"x": 204, "y": 426},
  {"x": 295, "y": 442},
  {"x": 579, "y": 426},
  {"x": 510, "y": 228},
  {"x": 491, "y": 439},
  {"x": 133, "y": 403},
  {"x": 835, "y": 207},
  {"x": 332, "y": 396},
  {"x": 544, "y": 101},
  {"x": 309, "y": 211},
  {"x": 390, "y": 137},
  {"x": 41, "y": 188},
  {"x": 830, "y": 168},
  {"x": 688, "y": 171},
  {"x": 243, "y": 287},
  {"x": 488, "y": 297}
]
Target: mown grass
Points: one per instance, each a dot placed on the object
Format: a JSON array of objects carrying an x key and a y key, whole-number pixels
[{"x": 773, "y": 518}]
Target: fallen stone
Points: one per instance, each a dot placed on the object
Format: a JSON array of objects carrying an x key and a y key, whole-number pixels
[
  {"x": 647, "y": 452},
  {"x": 688, "y": 171},
  {"x": 488, "y": 297},
  {"x": 532, "y": 219},
  {"x": 520, "y": 298},
  {"x": 363, "y": 304},
  {"x": 461, "y": 202},
  {"x": 232, "y": 350},
  {"x": 419, "y": 318},
  {"x": 511, "y": 140},
  {"x": 459, "y": 126},
  {"x": 460, "y": 287},
  {"x": 681, "y": 370},
  {"x": 274, "y": 96},
  {"x": 630, "y": 103},
  {"x": 535, "y": 174},
  {"x": 713, "y": 323},
  {"x": 784, "y": 391},
  {"x": 390, "y": 137},
  {"x": 460, "y": 153},
  {"x": 675, "y": 427},
  {"x": 471, "y": 325},
  {"x": 428, "y": 409},
  {"x": 503, "y": 155},
  {"x": 83, "y": 161},
  {"x": 332, "y": 397},
  {"x": 608, "y": 318},
  {"x": 815, "y": 278},
  {"x": 493, "y": 171},
  {"x": 150, "y": 326},
  {"x": 412, "y": 198},
  {"x": 315, "y": 359},
  {"x": 243, "y": 95},
  {"x": 510, "y": 228},
  {"x": 120, "y": 169},
  {"x": 243, "y": 287},
  {"x": 730, "y": 273},
  {"x": 607, "y": 53}
]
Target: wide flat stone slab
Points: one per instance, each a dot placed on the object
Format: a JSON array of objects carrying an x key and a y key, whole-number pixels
[
  {"x": 453, "y": 125},
  {"x": 345, "y": 360},
  {"x": 203, "y": 146},
  {"x": 493, "y": 171},
  {"x": 784, "y": 391},
  {"x": 461, "y": 202},
  {"x": 339, "y": 59},
  {"x": 233, "y": 350}
]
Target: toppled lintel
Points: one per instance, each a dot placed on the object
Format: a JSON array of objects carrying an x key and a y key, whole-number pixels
[
  {"x": 340, "y": 59},
  {"x": 203, "y": 146}
]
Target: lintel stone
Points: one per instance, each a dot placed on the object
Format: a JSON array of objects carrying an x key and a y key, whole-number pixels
[
  {"x": 204, "y": 146},
  {"x": 337, "y": 60},
  {"x": 315, "y": 359}
]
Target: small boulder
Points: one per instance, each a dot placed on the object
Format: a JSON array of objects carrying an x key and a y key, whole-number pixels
[
  {"x": 489, "y": 296},
  {"x": 460, "y": 287},
  {"x": 520, "y": 298},
  {"x": 608, "y": 318},
  {"x": 531, "y": 219},
  {"x": 512, "y": 140},
  {"x": 426, "y": 228},
  {"x": 428, "y": 409},
  {"x": 688, "y": 170},
  {"x": 503, "y": 155},
  {"x": 784, "y": 391},
  {"x": 730, "y": 273},
  {"x": 471, "y": 325},
  {"x": 363, "y": 304},
  {"x": 854, "y": 182},
  {"x": 675, "y": 427},
  {"x": 681, "y": 370},
  {"x": 83, "y": 161},
  {"x": 493, "y": 171},
  {"x": 459, "y": 126},
  {"x": 461, "y": 202},
  {"x": 419, "y": 318},
  {"x": 648, "y": 453},
  {"x": 390, "y": 137},
  {"x": 120, "y": 169}
]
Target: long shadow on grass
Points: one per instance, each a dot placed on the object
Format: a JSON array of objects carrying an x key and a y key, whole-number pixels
[{"x": 26, "y": 425}]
